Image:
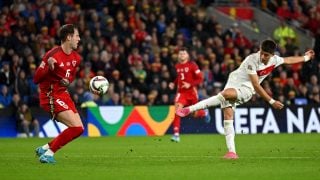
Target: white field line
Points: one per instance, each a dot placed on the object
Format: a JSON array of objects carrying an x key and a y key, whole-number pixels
[
  {"x": 191, "y": 156},
  {"x": 131, "y": 156}
]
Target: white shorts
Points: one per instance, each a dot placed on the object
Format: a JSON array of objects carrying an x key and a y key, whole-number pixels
[{"x": 244, "y": 94}]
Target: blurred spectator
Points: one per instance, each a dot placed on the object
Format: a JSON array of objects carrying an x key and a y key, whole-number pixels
[
  {"x": 290, "y": 88},
  {"x": 127, "y": 100},
  {"x": 7, "y": 77},
  {"x": 283, "y": 79},
  {"x": 313, "y": 22},
  {"x": 5, "y": 97},
  {"x": 314, "y": 95},
  {"x": 152, "y": 97},
  {"x": 16, "y": 101},
  {"x": 134, "y": 57},
  {"x": 86, "y": 73},
  {"x": 254, "y": 26},
  {"x": 27, "y": 121},
  {"x": 290, "y": 98},
  {"x": 283, "y": 11},
  {"x": 231, "y": 32},
  {"x": 114, "y": 100},
  {"x": 164, "y": 100},
  {"x": 241, "y": 41},
  {"x": 22, "y": 86},
  {"x": 298, "y": 18},
  {"x": 284, "y": 32}
]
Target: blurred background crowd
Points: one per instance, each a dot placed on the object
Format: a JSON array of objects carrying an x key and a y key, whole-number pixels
[{"x": 134, "y": 44}]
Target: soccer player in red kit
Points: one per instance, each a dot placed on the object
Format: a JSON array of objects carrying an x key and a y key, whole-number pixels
[
  {"x": 56, "y": 71},
  {"x": 188, "y": 78}
]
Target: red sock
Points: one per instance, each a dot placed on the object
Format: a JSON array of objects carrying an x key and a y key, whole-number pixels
[
  {"x": 65, "y": 137},
  {"x": 176, "y": 124}
]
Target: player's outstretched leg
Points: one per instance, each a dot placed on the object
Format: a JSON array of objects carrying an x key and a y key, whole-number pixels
[{"x": 204, "y": 104}]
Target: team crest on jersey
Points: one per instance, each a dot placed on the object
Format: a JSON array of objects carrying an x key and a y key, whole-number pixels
[
  {"x": 74, "y": 62},
  {"x": 61, "y": 65},
  {"x": 68, "y": 63},
  {"x": 249, "y": 67},
  {"x": 186, "y": 69}
]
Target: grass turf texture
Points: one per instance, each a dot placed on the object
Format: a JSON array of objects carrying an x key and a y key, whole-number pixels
[{"x": 270, "y": 156}]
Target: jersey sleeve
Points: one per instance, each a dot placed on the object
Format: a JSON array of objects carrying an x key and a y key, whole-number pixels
[
  {"x": 278, "y": 60},
  {"x": 198, "y": 78},
  {"x": 250, "y": 66},
  {"x": 41, "y": 71}
]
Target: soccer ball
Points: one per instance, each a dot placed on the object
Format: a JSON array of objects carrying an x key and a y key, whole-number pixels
[{"x": 99, "y": 84}]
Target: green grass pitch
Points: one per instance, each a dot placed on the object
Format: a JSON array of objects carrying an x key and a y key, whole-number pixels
[{"x": 269, "y": 156}]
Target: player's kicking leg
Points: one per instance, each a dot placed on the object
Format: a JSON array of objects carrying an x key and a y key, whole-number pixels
[
  {"x": 204, "y": 104},
  {"x": 75, "y": 129}
]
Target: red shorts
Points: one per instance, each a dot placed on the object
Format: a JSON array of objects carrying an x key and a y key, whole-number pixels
[
  {"x": 57, "y": 102},
  {"x": 186, "y": 99}
]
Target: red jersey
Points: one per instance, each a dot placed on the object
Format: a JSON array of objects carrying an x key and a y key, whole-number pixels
[
  {"x": 54, "y": 97},
  {"x": 188, "y": 72},
  {"x": 66, "y": 67}
]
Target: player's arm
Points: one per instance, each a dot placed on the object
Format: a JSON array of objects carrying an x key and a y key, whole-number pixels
[
  {"x": 171, "y": 85},
  {"x": 43, "y": 70},
  {"x": 298, "y": 59},
  {"x": 198, "y": 78},
  {"x": 259, "y": 89}
]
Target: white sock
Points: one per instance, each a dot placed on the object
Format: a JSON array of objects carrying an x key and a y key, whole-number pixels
[
  {"x": 49, "y": 152},
  {"x": 212, "y": 101},
  {"x": 45, "y": 147},
  {"x": 229, "y": 133}
]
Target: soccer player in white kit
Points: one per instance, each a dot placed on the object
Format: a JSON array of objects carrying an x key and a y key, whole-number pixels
[{"x": 242, "y": 84}]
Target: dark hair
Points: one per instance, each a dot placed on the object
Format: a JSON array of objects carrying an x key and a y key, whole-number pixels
[
  {"x": 268, "y": 46},
  {"x": 183, "y": 49},
  {"x": 66, "y": 30}
]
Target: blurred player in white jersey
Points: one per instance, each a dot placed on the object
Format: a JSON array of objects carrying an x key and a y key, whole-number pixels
[{"x": 242, "y": 84}]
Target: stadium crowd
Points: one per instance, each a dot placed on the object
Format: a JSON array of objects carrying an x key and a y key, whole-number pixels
[{"x": 134, "y": 44}]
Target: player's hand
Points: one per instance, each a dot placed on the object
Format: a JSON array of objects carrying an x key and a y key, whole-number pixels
[
  {"x": 185, "y": 85},
  {"x": 171, "y": 85},
  {"x": 51, "y": 62},
  {"x": 310, "y": 53},
  {"x": 277, "y": 105},
  {"x": 64, "y": 82}
]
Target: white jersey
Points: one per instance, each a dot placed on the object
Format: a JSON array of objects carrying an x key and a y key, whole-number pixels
[{"x": 252, "y": 65}]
